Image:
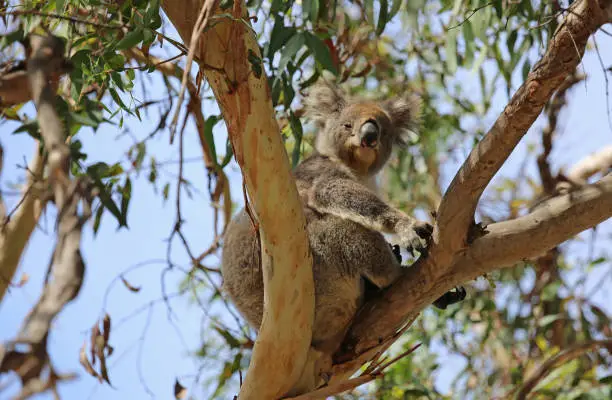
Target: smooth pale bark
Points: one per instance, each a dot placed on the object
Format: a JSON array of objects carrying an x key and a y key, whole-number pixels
[{"x": 244, "y": 98}]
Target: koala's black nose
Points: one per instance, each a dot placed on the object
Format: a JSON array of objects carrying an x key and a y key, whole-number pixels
[{"x": 369, "y": 134}]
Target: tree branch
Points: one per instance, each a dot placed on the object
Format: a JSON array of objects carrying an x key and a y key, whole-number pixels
[
  {"x": 562, "y": 357},
  {"x": 243, "y": 95},
  {"x": 15, "y": 231},
  {"x": 600, "y": 161},
  {"x": 506, "y": 244},
  {"x": 564, "y": 53},
  {"x": 65, "y": 274},
  {"x": 451, "y": 259}
]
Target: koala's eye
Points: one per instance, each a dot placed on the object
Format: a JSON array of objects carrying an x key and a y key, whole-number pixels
[{"x": 348, "y": 126}]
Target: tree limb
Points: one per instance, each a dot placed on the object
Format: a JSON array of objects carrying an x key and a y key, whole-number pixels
[
  {"x": 564, "y": 53},
  {"x": 451, "y": 259},
  {"x": 549, "y": 365},
  {"x": 65, "y": 275},
  {"x": 506, "y": 244},
  {"x": 16, "y": 231},
  {"x": 600, "y": 161},
  {"x": 243, "y": 95}
]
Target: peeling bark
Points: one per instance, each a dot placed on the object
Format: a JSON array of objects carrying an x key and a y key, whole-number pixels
[
  {"x": 244, "y": 98},
  {"x": 451, "y": 259}
]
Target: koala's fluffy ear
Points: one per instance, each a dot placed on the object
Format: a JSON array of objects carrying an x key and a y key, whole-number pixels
[
  {"x": 405, "y": 113},
  {"x": 323, "y": 101}
]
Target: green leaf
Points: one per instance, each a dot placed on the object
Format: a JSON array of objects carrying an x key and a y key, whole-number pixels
[
  {"x": 468, "y": 38},
  {"x": 550, "y": 291},
  {"x": 310, "y": 10},
  {"x": 116, "y": 61},
  {"x": 30, "y": 127},
  {"x": 288, "y": 93},
  {"x": 368, "y": 5},
  {"x": 59, "y": 6},
  {"x": 451, "y": 50},
  {"x": 126, "y": 197},
  {"x": 395, "y": 7},
  {"x": 497, "y": 4},
  {"x": 97, "y": 220},
  {"x": 321, "y": 52},
  {"x": 548, "y": 319},
  {"x": 291, "y": 48},
  {"x": 383, "y": 17},
  {"x": 606, "y": 380},
  {"x": 225, "y": 4},
  {"x": 526, "y": 69},
  {"x": 279, "y": 36},
  {"x": 511, "y": 41},
  {"x": 297, "y": 131},
  {"x": 110, "y": 204},
  {"x": 10, "y": 38},
  {"x": 130, "y": 40},
  {"x": 118, "y": 100},
  {"x": 256, "y": 64},
  {"x": 166, "y": 191},
  {"x": 231, "y": 341},
  {"x": 208, "y": 135}
]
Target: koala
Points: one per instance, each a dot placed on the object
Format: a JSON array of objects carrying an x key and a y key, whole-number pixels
[{"x": 345, "y": 216}]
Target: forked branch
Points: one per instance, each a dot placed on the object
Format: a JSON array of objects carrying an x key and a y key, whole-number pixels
[{"x": 452, "y": 260}]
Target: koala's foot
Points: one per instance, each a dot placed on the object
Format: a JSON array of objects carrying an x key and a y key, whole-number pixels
[
  {"x": 416, "y": 236},
  {"x": 451, "y": 297},
  {"x": 396, "y": 252}
]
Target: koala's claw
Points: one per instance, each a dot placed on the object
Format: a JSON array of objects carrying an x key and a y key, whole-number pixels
[
  {"x": 418, "y": 238},
  {"x": 424, "y": 230},
  {"x": 451, "y": 297}
]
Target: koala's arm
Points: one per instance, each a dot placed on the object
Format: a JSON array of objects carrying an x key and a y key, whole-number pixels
[{"x": 350, "y": 200}]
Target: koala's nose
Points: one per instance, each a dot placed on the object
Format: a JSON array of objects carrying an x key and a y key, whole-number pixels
[{"x": 369, "y": 134}]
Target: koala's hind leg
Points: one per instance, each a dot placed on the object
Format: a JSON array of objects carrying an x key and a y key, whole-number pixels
[
  {"x": 345, "y": 254},
  {"x": 242, "y": 276}
]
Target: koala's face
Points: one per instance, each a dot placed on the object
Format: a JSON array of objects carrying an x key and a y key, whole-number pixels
[{"x": 358, "y": 132}]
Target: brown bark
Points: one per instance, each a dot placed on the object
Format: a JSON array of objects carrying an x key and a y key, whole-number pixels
[
  {"x": 66, "y": 270},
  {"x": 244, "y": 98},
  {"x": 15, "y": 231},
  {"x": 452, "y": 260}
]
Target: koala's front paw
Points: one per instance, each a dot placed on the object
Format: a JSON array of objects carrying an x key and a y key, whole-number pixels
[{"x": 415, "y": 236}]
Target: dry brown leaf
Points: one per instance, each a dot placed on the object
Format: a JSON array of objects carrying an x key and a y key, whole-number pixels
[
  {"x": 106, "y": 326},
  {"x": 180, "y": 391},
  {"x": 86, "y": 364},
  {"x": 129, "y": 286}
]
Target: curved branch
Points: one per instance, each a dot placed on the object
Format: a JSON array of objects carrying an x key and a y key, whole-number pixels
[
  {"x": 447, "y": 265},
  {"x": 505, "y": 244},
  {"x": 456, "y": 212},
  {"x": 242, "y": 93},
  {"x": 600, "y": 161},
  {"x": 562, "y": 357}
]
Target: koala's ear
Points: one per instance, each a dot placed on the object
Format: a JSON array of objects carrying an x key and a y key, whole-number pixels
[
  {"x": 323, "y": 101},
  {"x": 405, "y": 113}
]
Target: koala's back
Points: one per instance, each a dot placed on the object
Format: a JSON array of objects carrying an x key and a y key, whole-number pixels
[{"x": 341, "y": 251}]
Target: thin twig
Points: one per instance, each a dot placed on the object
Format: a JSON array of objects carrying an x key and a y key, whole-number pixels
[{"x": 62, "y": 17}]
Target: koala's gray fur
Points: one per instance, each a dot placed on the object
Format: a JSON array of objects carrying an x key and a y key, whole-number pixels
[{"x": 345, "y": 216}]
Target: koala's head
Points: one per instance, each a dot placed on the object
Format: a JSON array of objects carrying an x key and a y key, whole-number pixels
[{"x": 361, "y": 133}]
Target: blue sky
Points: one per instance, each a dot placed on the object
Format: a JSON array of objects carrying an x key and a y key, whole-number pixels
[{"x": 151, "y": 347}]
